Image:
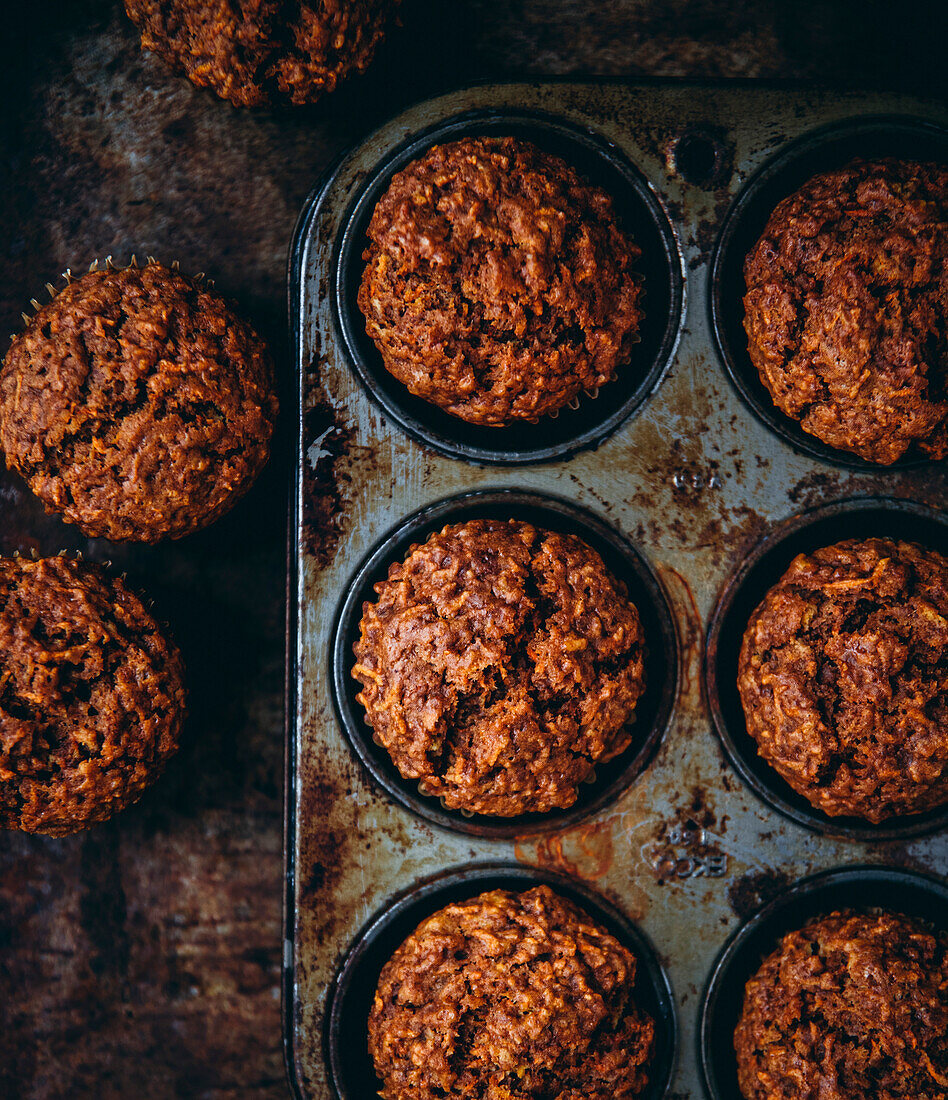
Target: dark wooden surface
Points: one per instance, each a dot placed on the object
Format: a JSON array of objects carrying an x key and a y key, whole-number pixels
[{"x": 142, "y": 958}]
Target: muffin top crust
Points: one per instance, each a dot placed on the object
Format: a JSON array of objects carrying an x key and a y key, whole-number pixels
[
  {"x": 499, "y": 663},
  {"x": 91, "y": 695},
  {"x": 846, "y": 309},
  {"x": 850, "y": 1007},
  {"x": 498, "y": 284},
  {"x": 514, "y": 996},
  {"x": 260, "y": 51},
  {"x": 137, "y": 404},
  {"x": 843, "y": 674}
]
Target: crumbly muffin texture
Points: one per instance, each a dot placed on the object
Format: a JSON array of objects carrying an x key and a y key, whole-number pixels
[
  {"x": 91, "y": 696},
  {"x": 137, "y": 404},
  {"x": 510, "y": 997},
  {"x": 843, "y": 674},
  {"x": 498, "y": 284},
  {"x": 260, "y": 51},
  {"x": 499, "y": 664},
  {"x": 846, "y": 310},
  {"x": 850, "y": 1007}
]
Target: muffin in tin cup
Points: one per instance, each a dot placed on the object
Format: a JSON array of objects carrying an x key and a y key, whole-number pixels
[
  {"x": 614, "y": 201},
  {"x": 798, "y": 212},
  {"x": 751, "y": 640},
  {"x": 786, "y": 953},
  {"x": 456, "y": 902},
  {"x": 630, "y": 654}
]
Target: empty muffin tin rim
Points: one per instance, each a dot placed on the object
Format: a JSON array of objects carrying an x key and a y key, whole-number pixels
[
  {"x": 774, "y": 790},
  {"x": 738, "y": 368},
  {"x": 350, "y": 323},
  {"x": 414, "y": 529},
  {"x": 427, "y": 896},
  {"x": 804, "y": 890}
]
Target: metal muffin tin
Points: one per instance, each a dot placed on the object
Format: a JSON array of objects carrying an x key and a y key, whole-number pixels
[{"x": 685, "y": 850}]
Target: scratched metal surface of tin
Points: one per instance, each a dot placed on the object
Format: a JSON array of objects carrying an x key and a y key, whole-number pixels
[{"x": 693, "y": 480}]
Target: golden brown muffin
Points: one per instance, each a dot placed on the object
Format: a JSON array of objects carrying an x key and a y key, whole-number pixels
[
  {"x": 851, "y": 1007},
  {"x": 847, "y": 309},
  {"x": 513, "y": 996},
  {"x": 843, "y": 674},
  {"x": 498, "y": 284},
  {"x": 499, "y": 664},
  {"x": 258, "y": 51},
  {"x": 137, "y": 404},
  {"x": 91, "y": 696}
]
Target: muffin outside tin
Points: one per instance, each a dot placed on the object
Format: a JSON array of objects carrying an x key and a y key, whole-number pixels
[
  {"x": 637, "y": 210},
  {"x": 353, "y": 1077},
  {"x": 652, "y": 711},
  {"x": 824, "y": 150},
  {"x": 862, "y": 889},
  {"x": 691, "y": 480},
  {"x": 860, "y": 518}
]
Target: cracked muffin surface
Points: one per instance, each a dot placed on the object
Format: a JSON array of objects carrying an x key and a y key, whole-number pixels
[
  {"x": 499, "y": 663},
  {"x": 846, "y": 309},
  {"x": 843, "y": 676},
  {"x": 510, "y": 996},
  {"x": 137, "y": 404},
  {"x": 850, "y": 1007},
  {"x": 498, "y": 284},
  {"x": 91, "y": 696},
  {"x": 259, "y": 51}
]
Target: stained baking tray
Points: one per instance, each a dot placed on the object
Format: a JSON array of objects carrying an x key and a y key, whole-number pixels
[{"x": 686, "y": 465}]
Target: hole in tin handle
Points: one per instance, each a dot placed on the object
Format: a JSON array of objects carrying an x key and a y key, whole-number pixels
[{"x": 698, "y": 158}]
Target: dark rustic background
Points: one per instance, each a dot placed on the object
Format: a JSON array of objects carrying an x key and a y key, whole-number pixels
[{"x": 142, "y": 958}]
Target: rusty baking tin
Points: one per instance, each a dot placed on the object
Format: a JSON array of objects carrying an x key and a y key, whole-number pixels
[
  {"x": 823, "y": 150},
  {"x": 549, "y": 513},
  {"x": 693, "y": 482},
  {"x": 638, "y": 211},
  {"x": 865, "y": 517},
  {"x": 858, "y": 888},
  {"x": 351, "y": 995}
]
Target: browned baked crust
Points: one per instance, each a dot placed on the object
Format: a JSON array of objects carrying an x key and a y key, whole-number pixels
[
  {"x": 498, "y": 285},
  {"x": 499, "y": 664},
  {"x": 137, "y": 404},
  {"x": 851, "y": 1007},
  {"x": 262, "y": 50},
  {"x": 843, "y": 674},
  {"x": 847, "y": 308},
  {"x": 510, "y": 995},
  {"x": 91, "y": 696}
]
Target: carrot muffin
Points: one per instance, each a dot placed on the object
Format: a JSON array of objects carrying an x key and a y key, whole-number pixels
[
  {"x": 91, "y": 696},
  {"x": 263, "y": 50},
  {"x": 498, "y": 284},
  {"x": 847, "y": 308},
  {"x": 843, "y": 674},
  {"x": 850, "y": 1007},
  {"x": 137, "y": 404},
  {"x": 498, "y": 665},
  {"x": 510, "y": 995}
]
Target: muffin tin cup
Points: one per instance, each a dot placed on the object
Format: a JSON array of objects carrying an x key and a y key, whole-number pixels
[
  {"x": 821, "y": 150},
  {"x": 350, "y": 997},
  {"x": 859, "y": 888},
  {"x": 652, "y": 711},
  {"x": 885, "y": 517},
  {"x": 592, "y": 419}
]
